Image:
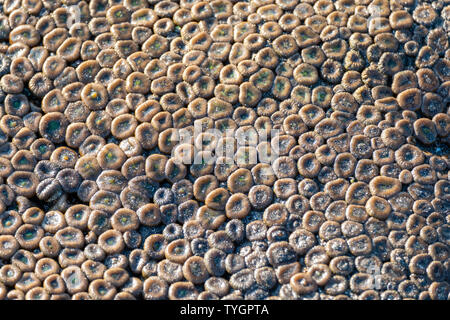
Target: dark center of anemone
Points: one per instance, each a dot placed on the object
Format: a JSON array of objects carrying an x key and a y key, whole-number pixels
[
  {"x": 102, "y": 290},
  {"x": 305, "y": 72},
  {"x": 7, "y": 222},
  {"x": 424, "y": 172},
  {"x": 78, "y": 215},
  {"x": 68, "y": 236},
  {"x": 124, "y": 220},
  {"x": 426, "y": 131},
  {"x": 23, "y": 161},
  {"x": 17, "y": 104},
  {"x": 409, "y": 156},
  {"x": 321, "y": 96},
  {"x": 29, "y": 234},
  {"x": 111, "y": 241},
  {"x": 23, "y": 182}
]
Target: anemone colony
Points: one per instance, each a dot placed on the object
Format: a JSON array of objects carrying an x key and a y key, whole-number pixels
[{"x": 349, "y": 199}]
